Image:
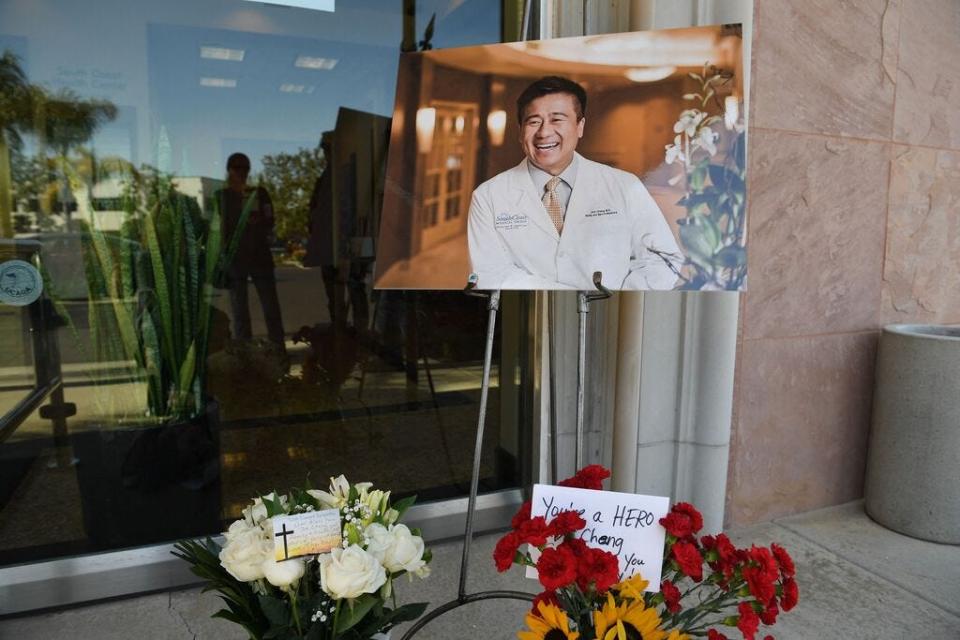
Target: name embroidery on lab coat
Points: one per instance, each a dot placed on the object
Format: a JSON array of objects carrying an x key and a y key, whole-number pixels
[
  {"x": 510, "y": 221},
  {"x": 596, "y": 213}
]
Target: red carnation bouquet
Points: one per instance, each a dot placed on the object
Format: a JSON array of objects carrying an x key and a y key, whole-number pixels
[{"x": 709, "y": 587}]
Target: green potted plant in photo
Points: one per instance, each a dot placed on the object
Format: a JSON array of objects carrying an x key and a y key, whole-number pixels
[{"x": 712, "y": 159}]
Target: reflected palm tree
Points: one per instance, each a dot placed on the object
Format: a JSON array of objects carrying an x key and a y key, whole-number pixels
[
  {"x": 15, "y": 113},
  {"x": 62, "y": 120}
]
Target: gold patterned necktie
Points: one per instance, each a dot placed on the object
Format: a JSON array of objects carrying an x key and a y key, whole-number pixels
[{"x": 551, "y": 202}]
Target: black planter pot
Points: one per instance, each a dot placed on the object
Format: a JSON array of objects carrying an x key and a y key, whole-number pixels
[{"x": 150, "y": 484}]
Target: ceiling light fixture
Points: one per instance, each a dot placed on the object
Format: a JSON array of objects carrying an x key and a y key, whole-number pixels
[
  {"x": 649, "y": 74},
  {"x": 316, "y": 5},
  {"x": 311, "y": 62},
  {"x": 222, "y": 53},
  {"x": 219, "y": 83}
]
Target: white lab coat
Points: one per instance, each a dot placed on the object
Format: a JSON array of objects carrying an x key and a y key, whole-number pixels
[{"x": 610, "y": 226}]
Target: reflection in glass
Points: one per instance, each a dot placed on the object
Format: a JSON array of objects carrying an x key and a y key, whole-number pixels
[{"x": 216, "y": 331}]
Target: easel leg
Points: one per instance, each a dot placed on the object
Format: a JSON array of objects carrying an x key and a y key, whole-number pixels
[
  {"x": 492, "y": 308},
  {"x": 462, "y": 596},
  {"x": 583, "y": 308}
]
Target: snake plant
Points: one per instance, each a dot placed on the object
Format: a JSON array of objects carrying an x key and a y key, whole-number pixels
[{"x": 150, "y": 294}]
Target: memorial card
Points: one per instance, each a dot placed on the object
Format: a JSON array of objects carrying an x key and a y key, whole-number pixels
[
  {"x": 625, "y": 524},
  {"x": 306, "y": 534}
]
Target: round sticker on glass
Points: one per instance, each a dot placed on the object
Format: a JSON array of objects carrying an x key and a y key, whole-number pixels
[{"x": 20, "y": 283}]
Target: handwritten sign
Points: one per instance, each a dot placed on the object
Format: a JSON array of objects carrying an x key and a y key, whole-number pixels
[
  {"x": 305, "y": 534},
  {"x": 625, "y": 524}
]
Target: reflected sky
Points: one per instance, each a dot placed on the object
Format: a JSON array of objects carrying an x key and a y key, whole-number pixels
[{"x": 185, "y": 112}]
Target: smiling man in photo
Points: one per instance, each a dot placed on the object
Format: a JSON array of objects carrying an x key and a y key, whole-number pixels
[{"x": 554, "y": 219}]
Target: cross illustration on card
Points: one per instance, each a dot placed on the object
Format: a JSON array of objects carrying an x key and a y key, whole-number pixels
[{"x": 284, "y": 532}]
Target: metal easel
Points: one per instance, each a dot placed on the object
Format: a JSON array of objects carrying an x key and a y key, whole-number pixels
[{"x": 584, "y": 298}]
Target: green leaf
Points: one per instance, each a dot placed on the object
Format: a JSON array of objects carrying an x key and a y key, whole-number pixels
[
  {"x": 698, "y": 177},
  {"x": 725, "y": 179},
  {"x": 355, "y": 612},
  {"x": 697, "y": 246},
  {"x": 161, "y": 286},
  {"x": 732, "y": 256},
  {"x": 406, "y": 613},
  {"x": 276, "y": 610},
  {"x": 401, "y": 506}
]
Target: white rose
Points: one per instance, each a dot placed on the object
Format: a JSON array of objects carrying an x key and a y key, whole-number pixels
[
  {"x": 350, "y": 572},
  {"x": 380, "y": 540},
  {"x": 405, "y": 551},
  {"x": 283, "y": 574},
  {"x": 245, "y": 550}
]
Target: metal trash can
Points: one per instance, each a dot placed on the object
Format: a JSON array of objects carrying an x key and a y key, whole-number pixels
[{"x": 912, "y": 480}]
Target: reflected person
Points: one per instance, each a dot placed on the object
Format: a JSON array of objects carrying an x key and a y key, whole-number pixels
[
  {"x": 331, "y": 226},
  {"x": 252, "y": 260}
]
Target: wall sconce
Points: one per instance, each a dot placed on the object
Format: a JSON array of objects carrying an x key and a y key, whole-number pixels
[
  {"x": 731, "y": 111},
  {"x": 426, "y": 123},
  {"x": 496, "y": 125}
]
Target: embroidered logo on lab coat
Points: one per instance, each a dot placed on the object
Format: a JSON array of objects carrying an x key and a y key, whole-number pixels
[
  {"x": 510, "y": 221},
  {"x": 596, "y": 213}
]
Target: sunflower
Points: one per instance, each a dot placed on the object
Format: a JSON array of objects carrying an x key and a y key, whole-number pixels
[
  {"x": 632, "y": 587},
  {"x": 628, "y": 621},
  {"x": 550, "y": 623}
]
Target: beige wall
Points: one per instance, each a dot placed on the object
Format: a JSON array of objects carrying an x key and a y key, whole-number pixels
[{"x": 855, "y": 223}]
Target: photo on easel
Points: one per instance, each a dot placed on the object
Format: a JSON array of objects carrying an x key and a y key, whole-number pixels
[{"x": 534, "y": 165}]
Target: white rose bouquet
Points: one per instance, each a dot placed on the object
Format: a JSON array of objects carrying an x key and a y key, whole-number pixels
[{"x": 341, "y": 595}]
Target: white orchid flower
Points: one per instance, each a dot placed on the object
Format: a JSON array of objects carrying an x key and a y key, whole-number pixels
[
  {"x": 707, "y": 139},
  {"x": 689, "y": 120},
  {"x": 675, "y": 151}
]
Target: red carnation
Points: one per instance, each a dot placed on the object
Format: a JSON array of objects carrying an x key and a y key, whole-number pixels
[
  {"x": 721, "y": 556},
  {"x": 548, "y": 597},
  {"x": 766, "y": 562},
  {"x": 769, "y": 615},
  {"x": 689, "y": 559},
  {"x": 506, "y": 551},
  {"x": 557, "y": 567},
  {"x": 576, "y": 546},
  {"x": 761, "y": 586},
  {"x": 590, "y": 477},
  {"x": 534, "y": 531},
  {"x": 787, "y": 568},
  {"x": 567, "y": 522},
  {"x": 749, "y": 622},
  {"x": 671, "y": 596},
  {"x": 726, "y": 552},
  {"x": 790, "y": 595},
  {"x": 522, "y": 515},
  {"x": 683, "y": 520},
  {"x": 598, "y": 567},
  {"x": 713, "y": 634}
]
